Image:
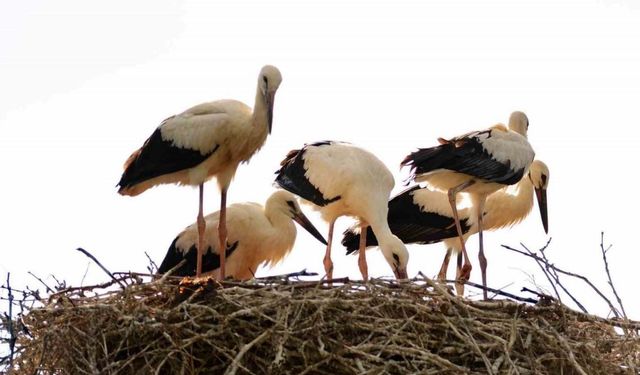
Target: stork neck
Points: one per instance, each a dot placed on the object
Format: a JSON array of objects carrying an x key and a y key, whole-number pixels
[
  {"x": 276, "y": 217},
  {"x": 260, "y": 110},
  {"x": 384, "y": 235},
  {"x": 505, "y": 209}
]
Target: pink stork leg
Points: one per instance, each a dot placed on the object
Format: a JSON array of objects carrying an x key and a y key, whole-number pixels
[
  {"x": 466, "y": 268},
  {"x": 442, "y": 275},
  {"x": 222, "y": 231},
  {"x": 201, "y": 227},
  {"x": 328, "y": 264},
  {"x": 459, "y": 285},
  {"x": 362, "y": 259},
  {"x": 481, "y": 257}
]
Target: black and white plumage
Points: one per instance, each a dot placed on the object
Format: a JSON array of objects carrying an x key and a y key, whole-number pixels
[
  {"x": 423, "y": 216},
  {"x": 341, "y": 179},
  {"x": 417, "y": 216},
  {"x": 205, "y": 141},
  {"x": 257, "y": 235},
  {"x": 478, "y": 163}
]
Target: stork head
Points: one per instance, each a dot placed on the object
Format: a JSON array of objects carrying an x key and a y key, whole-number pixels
[
  {"x": 268, "y": 82},
  {"x": 539, "y": 176},
  {"x": 285, "y": 203},
  {"x": 519, "y": 123},
  {"x": 396, "y": 254}
]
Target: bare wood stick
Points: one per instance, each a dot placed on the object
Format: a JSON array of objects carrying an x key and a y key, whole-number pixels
[
  {"x": 540, "y": 295},
  {"x": 88, "y": 254},
  {"x": 606, "y": 267},
  {"x": 586, "y": 280},
  {"x": 304, "y": 272},
  {"x": 546, "y": 271},
  {"x": 12, "y": 339},
  {"x": 236, "y": 361},
  {"x": 49, "y": 290},
  {"x": 152, "y": 267},
  {"x": 499, "y": 292},
  {"x": 549, "y": 271}
]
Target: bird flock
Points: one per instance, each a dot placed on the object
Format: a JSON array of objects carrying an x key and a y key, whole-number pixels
[{"x": 493, "y": 168}]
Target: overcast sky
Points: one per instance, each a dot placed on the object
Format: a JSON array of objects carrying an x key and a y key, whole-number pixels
[{"x": 85, "y": 83}]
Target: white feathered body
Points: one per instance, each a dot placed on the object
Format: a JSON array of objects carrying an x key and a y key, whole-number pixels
[{"x": 262, "y": 238}]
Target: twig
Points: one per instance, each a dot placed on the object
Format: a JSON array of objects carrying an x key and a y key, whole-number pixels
[
  {"x": 549, "y": 271},
  {"x": 498, "y": 292},
  {"x": 152, "y": 267},
  {"x": 606, "y": 267},
  {"x": 287, "y": 276},
  {"x": 12, "y": 339},
  {"x": 49, "y": 290},
  {"x": 236, "y": 361},
  {"x": 587, "y": 281},
  {"x": 544, "y": 266},
  {"x": 85, "y": 252},
  {"x": 540, "y": 295}
]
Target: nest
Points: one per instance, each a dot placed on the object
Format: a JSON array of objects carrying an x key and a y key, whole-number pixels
[{"x": 302, "y": 327}]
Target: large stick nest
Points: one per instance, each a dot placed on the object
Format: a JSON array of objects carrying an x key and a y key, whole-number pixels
[{"x": 312, "y": 328}]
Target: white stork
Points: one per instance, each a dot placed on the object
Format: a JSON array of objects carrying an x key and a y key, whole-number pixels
[
  {"x": 478, "y": 163},
  {"x": 210, "y": 139},
  {"x": 342, "y": 179},
  {"x": 423, "y": 216},
  {"x": 257, "y": 235}
]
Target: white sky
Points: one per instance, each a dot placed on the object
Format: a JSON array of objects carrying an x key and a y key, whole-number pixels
[{"x": 84, "y": 83}]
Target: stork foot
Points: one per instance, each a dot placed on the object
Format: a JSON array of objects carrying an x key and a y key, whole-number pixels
[
  {"x": 328, "y": 267},
  {"x": 465, "y": 273}
]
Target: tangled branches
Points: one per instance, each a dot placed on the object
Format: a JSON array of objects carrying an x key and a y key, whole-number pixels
[{"x": 284, "y": 326}]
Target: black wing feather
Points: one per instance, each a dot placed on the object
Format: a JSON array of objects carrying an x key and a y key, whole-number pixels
[
  {"x": 210, "y": 260},
  {"x": 158, "y": 157},
  {"x": 410, "y": 224},
  {"x": 464, "y": 155},
  {"x": 291, "y": 177}
]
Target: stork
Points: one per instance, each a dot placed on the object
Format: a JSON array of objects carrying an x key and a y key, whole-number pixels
[
  {"x": 478, "y": 163},
  {"x": 341, "y": 179},
  {"x": 210, "y": 139},
  {"x": 423, "y": 216},
  {"x": 258, "y": 235}
]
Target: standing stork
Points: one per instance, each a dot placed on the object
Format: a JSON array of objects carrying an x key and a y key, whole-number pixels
[
  {"x": 258, "y": 235},
  {"x": 210, "y": 139},
  {"x": 423, "y": 216},
  {"x": 342, "y": 179},
  {"x": 478, "y": 163}
]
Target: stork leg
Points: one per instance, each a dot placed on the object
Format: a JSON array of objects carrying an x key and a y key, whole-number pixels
[
  {"x": 222, "y": 232},
  {"x": 466, "y": 269},
  {"x": 362, "y": 259},
  {"x": 459, "y": 284},
  {"x": 328, "y": 264},
  {"x": 481, "y": 258},
  {"x": 201, "y": 227},
  {"x": 442, "y": 275}
]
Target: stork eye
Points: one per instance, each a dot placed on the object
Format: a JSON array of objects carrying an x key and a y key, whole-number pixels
[
  {"x": 265, "y": 80},
  {"x": 396, "y": 258},
  {"x": 544, "y": 179},
  {"x": 292, "y": 205}
]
